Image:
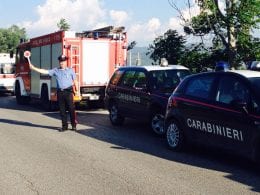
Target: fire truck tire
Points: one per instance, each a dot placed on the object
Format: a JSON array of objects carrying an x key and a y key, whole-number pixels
[
  {"x": 45, "y": 102},
  {"x": 19, "y": 98}
]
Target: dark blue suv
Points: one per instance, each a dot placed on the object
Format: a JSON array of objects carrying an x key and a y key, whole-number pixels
[
  {"x": 219, "y": 109},
  {"x": 142, "y": 92}
]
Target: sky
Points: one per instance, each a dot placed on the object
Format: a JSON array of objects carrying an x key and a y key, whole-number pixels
[{"x": 144, "y": 20}]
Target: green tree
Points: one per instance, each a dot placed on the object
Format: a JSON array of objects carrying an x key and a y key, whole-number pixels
[
  {"x": 131, "y": 45},
  {"x": 10, "y": 38},
  {"x": 197, "y": 58},
  {"x": 169, "y": 46},
  {"x": 63, "y": 24},
  {"x": 232, "y": 27}
]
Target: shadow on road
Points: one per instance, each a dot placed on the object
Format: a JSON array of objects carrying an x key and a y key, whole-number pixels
[
  {"x": 28, "y": 124},
  {"x": 137, "y": 136},
  {"x": 9, "y": 102}
]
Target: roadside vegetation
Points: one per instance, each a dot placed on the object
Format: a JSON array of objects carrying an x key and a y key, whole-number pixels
[{"x": 229, "y": 24}]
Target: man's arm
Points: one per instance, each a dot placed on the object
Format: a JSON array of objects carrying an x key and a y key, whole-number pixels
[
  {"x": 27, "y": 54},
  {"x": 75, "y": 84},
  {"x": 42, "y": 71}
]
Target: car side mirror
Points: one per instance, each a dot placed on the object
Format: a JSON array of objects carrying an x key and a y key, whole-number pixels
[{"x": 11, "y": 54}]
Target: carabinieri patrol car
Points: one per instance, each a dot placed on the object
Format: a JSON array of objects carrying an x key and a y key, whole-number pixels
[
  {"x": 219, "y": 109},
  {"x": 142, "y": 92}
]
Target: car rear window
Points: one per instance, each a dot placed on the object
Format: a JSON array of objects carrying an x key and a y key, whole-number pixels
[
  {"x": 199, "y": 87},
  {"x": 167, "y": 79}
]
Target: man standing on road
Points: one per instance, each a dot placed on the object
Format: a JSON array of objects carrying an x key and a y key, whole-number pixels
[{"x": 66, "y": 84}]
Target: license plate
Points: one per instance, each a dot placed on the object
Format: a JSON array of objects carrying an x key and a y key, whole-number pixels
[{"x": 94, "y": 97}]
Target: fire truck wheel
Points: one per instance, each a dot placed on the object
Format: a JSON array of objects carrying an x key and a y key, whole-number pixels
[
  {"x": 19, "y": 98},
  {"x": 45, "y": 102},
  {"x": 114, "y": 116}
]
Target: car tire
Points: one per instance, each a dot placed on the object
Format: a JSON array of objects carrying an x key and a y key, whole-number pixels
[
  {"x": 114, "y": 116},
  {"x": 256, "y": 153},
  {"x": 157, "y": 123},
  {"x": 174, "y": 136}
]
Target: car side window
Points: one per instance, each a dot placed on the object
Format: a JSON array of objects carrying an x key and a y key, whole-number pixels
[
  {"x": 128, "y": 79},
  {"x": 200, "y": 87},
  {"x": 255, "y": 106},
  {"x": 140, "y": 80},
  {"x": 231, "y": 89}
]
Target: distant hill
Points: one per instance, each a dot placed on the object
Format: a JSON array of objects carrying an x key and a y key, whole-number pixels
[{"x": 132, "y": 56}]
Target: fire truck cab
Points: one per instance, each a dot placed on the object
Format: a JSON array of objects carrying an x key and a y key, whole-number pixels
[{"x": 94, "y": 55}]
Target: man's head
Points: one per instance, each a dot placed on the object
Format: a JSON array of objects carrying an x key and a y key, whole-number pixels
[{"x": 62, "y": 59}]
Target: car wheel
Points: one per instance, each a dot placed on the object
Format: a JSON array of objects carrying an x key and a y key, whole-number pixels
[
  {"x": 174, "y": 135},
  {"x": 256, "y": 154},
  {"x": 114, "y": 116},
  {"x": 157, "y": 123}
]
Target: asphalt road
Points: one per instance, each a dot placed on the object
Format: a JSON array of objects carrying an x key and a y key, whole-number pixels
[{"x": 35, "y": 158}]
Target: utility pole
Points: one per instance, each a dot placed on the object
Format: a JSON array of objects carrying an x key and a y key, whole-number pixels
[
  {"x": 138, "y": 60},
  {"x": 130, "y": 58}
]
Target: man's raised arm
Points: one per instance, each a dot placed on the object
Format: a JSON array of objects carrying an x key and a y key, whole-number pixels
[{"x": 42, "y": 71}]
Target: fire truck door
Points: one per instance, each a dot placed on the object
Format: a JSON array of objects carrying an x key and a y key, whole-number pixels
[
  {"x": 35, "y": 76},
  {"x": 74, "y": 60}
]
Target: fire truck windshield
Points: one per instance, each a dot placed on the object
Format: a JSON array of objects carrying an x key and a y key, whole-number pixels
[{"x": 7, "y": 68}]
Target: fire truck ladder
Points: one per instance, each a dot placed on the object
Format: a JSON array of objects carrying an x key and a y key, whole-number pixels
[{"x": 75, "y": 60}]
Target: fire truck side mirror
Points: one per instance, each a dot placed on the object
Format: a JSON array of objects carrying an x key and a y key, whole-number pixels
[
  {"x": 11, "y": 54},
  {"x": 95, "y": 35}
]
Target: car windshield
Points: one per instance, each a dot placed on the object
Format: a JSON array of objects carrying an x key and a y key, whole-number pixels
[
  {"x": 256, "y": 83},
  {"x": 255, "y": 99},
  {"x": 167, "y": 80},
  {"x": 7, "y": 68}
]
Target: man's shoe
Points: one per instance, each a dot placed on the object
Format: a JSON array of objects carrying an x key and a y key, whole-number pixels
[
  {"x": 74, "y": 128},
  {"x": 63, "y": 128}
]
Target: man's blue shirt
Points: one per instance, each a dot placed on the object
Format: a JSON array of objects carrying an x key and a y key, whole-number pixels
[{"x": 64, "y": 77}]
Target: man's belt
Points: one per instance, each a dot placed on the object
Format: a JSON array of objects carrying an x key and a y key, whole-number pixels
[{"x": 69, "y": 89}]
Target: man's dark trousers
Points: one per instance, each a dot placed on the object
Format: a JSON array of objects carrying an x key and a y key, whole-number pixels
[{"x": 65, "y": 99}]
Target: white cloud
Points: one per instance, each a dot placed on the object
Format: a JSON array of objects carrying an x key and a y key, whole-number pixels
[
  {"x": 175, "y": 24},
  {"x": 80, "y": 14},
  {"x": 144, "y": 33},
  {"x": 90, "y": 14},
  {"x": 189, "y": 13},
  {"x": 153, "y": 25},
  {"x": 120, "y": 17}
]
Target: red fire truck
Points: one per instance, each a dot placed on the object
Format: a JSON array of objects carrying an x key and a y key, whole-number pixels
[{"x": 94, "y": 55}]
